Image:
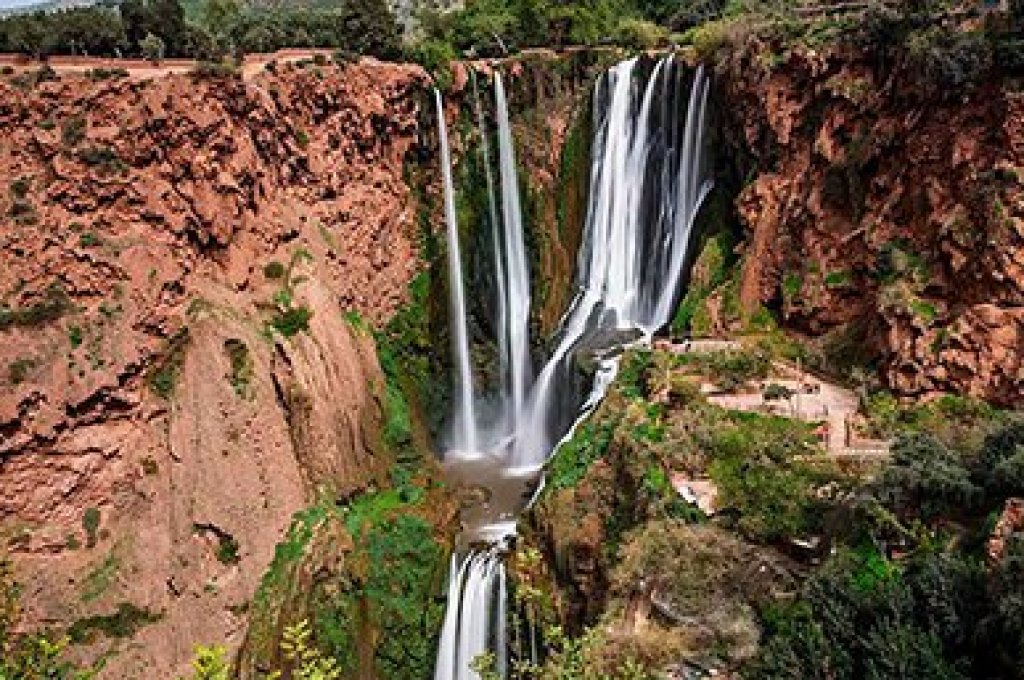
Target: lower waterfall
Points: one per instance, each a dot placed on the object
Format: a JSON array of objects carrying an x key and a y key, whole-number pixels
[{"x": 648, "y": 180}]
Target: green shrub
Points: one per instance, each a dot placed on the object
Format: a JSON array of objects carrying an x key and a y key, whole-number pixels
[
  {"x": 241, "y": 373},
  {"x": 163, "y": 376},
  {"x": 273, "y": 270},
  {"x": 54, "y": 305},
  {"x": 19, "y": 187},
  {"x": 216, "y": 70},
  {"x": 73, "y": 131},
  {"x": 435, "y": 56},
  {"x": 19, "y": 370},
  {"x": 570, "y": 462},
  {"x": 792, "y": 285},
  {"x": 292, "y": 321},
  {"x": 838, "y": 279},
  {"x": 227, "y": 549},
  {"x": 91, "y": 525},
  {"x": 123, "y": 623},
  {"x": 88, "y": 239},
  {"x": 104, "y": 157},
  {"x": 776, "y": 392},
  {"x": 640, "y": 34}
]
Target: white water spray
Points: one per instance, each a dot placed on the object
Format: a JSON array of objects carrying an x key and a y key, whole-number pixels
[
  {"x": 464, "y": 428},
  {"x": 636, "y": 200},
  {"x": 518, "y": 285}
]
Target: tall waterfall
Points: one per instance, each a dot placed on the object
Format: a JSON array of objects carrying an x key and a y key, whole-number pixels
[
  {"x": 646, "y": 186},
  {"x": 518, "y": 285},
  {"x": 464, "y": 428},
  {"x": 647, "y": 183}
]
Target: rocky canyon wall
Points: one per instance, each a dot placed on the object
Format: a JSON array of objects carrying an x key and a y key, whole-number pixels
[
  {"x": 187, "y": 264},
  {"x": 883, "y": 211}
]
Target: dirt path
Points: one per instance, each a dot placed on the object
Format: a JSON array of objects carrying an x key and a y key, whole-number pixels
[{"x": 811, "y": 399}]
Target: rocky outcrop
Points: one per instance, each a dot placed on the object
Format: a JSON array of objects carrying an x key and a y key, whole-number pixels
[
  {"x": 884, "y": 211},
  {"x": 181, "y": 366}
]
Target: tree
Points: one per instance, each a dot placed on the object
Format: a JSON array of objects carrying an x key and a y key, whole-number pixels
[
  {"x": 162, "y": 18},
  {"x": 152, "y": 47},
  {"x": 218, "y": 17}
]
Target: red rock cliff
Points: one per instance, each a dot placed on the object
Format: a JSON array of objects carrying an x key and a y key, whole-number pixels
[
  {"x": 155, "y": 436},
  {"x": 892, "y": 217}
]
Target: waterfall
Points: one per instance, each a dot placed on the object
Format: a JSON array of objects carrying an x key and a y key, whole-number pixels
[
  {"x": 647, "y": 184},
  {"x": 464, "y": 433},
  {"x": 475, "y": 620},
  {"x": 518, "y": 284},
  {"x": 644, "y": 196},
  {"x": 501, "y": 313}
]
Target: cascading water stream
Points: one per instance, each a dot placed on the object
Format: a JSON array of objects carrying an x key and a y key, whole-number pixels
[
  {"x": 501, "y": 310},
  {"x": 475, "y": 620},
  {"x": 647, "y": 184},
  {"x": 624, "y": 286},
  {"x": 518, "y": 285},
  {"x": 464, "y": 425}
]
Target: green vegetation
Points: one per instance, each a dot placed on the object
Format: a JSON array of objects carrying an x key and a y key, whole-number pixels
[
  {"x": 570, "y": 462},
  {"x": 227, "y": 550},
  {"x": 53, "y": 305},
  {"x": 406, "y": 351},
  {"x": 73, "y": 131},
  {"x": 163, "y": 376},
  {"x": 149, "y": 466},
  {"x": 384, "y": 595},
  {"x": 19, "y": 369},
  {"x": 103, "y": 157},
  {"x": 290, "y": 320},
  {"x": 36, "y": 655},
  {"x": 99, "y": 578},
  {"x": 710, "y": 271},
  {"x": 274, "y": 270},
  {"x": 908, "y": 595},
  {"x": 912, "y": 589},
  {"x": 838, "y": 279},
  {"x": 124, "y": 622},
  {"x": 155, "y": 29},
  {"x": 754, "y": 464},
  {"x": 730, "y": 369},
  {"x": 89, "y": 239},
  {"x": 210, "y": 663},
  {"x": 301, "y": 658},
  {"x": 241, "y": 373},
  {"x": 91, "y": 525}
]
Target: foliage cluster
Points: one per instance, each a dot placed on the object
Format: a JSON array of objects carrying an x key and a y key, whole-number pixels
[
  {"x": 157, "y": 28},
  {"x": 384, "y": 596},
  {"x": 290, "y": 319},
  {"x": 163, "y": 376},
  {"x": 241, "y": 370},
  {"x": 756, "y": 464},
  {"x": 27, "y": 655},
  {"x": 53, "y": 305},
  {"x": 730, "y": 369},
  {"x": 124, "y": 622},
  {"x": 909, "y": 595}
]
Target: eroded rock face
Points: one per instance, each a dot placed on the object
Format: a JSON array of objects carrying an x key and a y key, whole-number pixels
[
  {"x": 895, "y": 211},
  {"x": 156, "y": 436}
]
